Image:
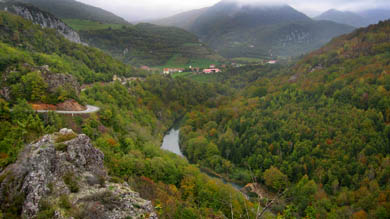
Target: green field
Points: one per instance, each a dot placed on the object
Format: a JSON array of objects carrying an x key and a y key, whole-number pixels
[
  {"x": 181, "y": 74},
  {"x": 78, "y": 25},
  {"x": 247, "y": 60},
  {"x": 203, "y": 78},
  {"x": 179, "y": 61}
]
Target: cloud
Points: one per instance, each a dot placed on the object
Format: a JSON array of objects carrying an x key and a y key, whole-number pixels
[{"x": 149, "y": 9}]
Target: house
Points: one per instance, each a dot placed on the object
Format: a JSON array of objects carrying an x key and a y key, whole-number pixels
[
  {"x": 167, "y": 71},
  {"x": 272, "y": 62},
  {"x": 211, "y": 70},
  {"x": 144, "y": 67}
]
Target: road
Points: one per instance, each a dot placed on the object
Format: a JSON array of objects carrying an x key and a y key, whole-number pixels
[{"x": 90, "y": 109}]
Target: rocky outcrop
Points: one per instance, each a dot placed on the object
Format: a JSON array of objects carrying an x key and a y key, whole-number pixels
[
  {"x": 67, "y": 173},
  {"x": 57, "y": 80},
  {"x": 45, "y": 19},
  {"x": 53, "y": 80}
]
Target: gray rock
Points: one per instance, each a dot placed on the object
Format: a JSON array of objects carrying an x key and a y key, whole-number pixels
[
  {"x": 42, "y": 18},
  {"x": 56, "y": 80},
  {"x": 40, "y": 172}
]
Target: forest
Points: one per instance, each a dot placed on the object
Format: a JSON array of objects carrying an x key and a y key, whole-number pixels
[
  {"x": 128, "y": 129},
  {"x": 319, "y": 131}
]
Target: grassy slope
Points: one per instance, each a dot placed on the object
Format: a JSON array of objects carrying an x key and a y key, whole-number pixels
[
  {"x": 148, "y": 44},
  {"x": 78, "y": 24}
]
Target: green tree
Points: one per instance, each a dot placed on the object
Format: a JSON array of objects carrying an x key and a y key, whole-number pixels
[
  {"x": 275, "y": 179},
  {"x": 34, "y": 87}
]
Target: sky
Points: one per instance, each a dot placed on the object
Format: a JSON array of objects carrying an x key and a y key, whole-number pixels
[{"x": 136, "y": 10}]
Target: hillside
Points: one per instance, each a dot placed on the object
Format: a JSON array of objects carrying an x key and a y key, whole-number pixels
[
  {"x": 44, "y": 173},
  {"x": 71, "y": 9},
  {"x": 147, "y": 44},
  {"x": 319, "y": 131},
  {"x": 31, "y": 56},
  {"x": 183, "y": 20},
  {"x": 344, "y": 17},
  {"x": 43, "y": 18},
  {"x": 257, "y": 30}
]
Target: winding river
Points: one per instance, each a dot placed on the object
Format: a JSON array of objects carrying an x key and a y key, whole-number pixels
[{"x": 171, "y": 143}]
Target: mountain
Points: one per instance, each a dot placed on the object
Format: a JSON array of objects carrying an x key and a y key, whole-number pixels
[
  {"x": 141, "y": 44},
  {"x": 148, "y": 44},
  {"x": 183, "y": 20},
  {"x": 318, "y": 130},
  {"x": 45, "y": 19},
  {"x": 71, "y": 175},
  {"x": 71, "y": 9},
  {"x": 257, "y": 30},
  {"x": 373, "y": 16},
  {"x": 27, "y": 48},
  {"x": 344, "y": 17}
]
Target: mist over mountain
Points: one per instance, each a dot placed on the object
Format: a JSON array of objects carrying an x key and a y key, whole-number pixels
[
  {"x": 356, "y": 19},
  {"x": 240, "y": 29},
  {"x": 344, "y": 17},
  {"x": 373, "y": 16}
]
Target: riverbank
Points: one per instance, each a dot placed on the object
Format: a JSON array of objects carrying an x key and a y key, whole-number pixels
[{"x": 171, "y": 143}]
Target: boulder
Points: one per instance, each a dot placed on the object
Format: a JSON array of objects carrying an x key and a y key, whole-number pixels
[{"x": 66, "y": 166}]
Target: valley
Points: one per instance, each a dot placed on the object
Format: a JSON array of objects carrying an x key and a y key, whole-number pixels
[{"x": 281, "y": 115}]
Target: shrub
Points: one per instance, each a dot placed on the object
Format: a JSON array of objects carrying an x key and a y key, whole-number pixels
[
  {"x": 65, "y": 137},
  {"x": 70, "y": 181},
  {"x": 65, "y": 203},
  {"x": 45, "y": 210},
  {"x": 61, "y": 147}
]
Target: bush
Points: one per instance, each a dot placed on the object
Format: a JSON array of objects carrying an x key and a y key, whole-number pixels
[
  {"x": 65, "y": 203},
  {"x": 45, "y": 210},
  {"x": 70, "y": 181},
  {"x": 61, "y": 147},
  {"x": 65, "y": 137}
]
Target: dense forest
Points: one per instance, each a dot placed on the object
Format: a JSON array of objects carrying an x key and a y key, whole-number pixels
[
  {"x": 313, "y": 135},
  {"x": 319, "y": 131},
  {"x": 128, "y": 129}
]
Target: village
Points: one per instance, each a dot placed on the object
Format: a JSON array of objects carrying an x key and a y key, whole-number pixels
[{"x": 211, "y": 70}]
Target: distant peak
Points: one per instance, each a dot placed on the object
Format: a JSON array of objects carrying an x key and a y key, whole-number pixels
[{"x": 263, "y": 3}]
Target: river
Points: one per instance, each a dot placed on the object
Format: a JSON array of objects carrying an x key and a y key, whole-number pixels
[{"x": 171, "y": 143}]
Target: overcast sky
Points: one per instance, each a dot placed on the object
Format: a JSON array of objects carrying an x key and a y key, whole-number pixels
[{"x": 148, "y": 9}]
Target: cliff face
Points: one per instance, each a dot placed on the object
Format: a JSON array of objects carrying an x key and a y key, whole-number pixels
[
  {"x": 42, "y": 18},
  {"x": 61, "y": 176}
]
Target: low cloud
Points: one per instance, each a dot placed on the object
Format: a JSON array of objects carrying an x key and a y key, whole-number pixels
[{"x": 151, "y": 9}]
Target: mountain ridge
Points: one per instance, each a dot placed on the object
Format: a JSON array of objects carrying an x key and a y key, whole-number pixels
[
  {"x": 245, "y": 30},
  {"x": 66, "y": 9}
]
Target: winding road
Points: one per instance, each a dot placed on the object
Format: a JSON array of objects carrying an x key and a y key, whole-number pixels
[{"x": 90, "y": 109}]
